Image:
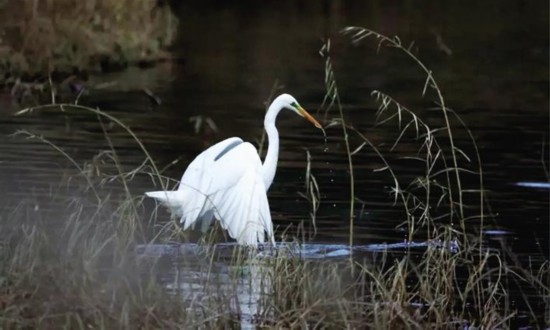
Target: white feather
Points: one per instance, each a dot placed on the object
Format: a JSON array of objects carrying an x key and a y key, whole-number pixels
[
  {"x": 230, "y": 188},
  {"x": 229, "y": 182}
]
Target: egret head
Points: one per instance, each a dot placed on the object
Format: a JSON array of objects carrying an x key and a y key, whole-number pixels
[{"x": 289, "y": 102}]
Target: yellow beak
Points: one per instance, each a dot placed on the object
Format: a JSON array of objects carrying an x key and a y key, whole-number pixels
[{"x": 309, "y": 117}]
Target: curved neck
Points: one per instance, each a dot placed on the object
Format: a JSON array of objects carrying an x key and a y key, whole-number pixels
[{"x": 270, "y": 162}]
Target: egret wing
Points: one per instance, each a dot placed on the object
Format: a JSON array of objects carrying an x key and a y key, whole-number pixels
[
  {"x": 226, "y": 181},
  {"x": 196, "y": 183},
  {"x": 240, "y": 200},
  {"x": 201, "y": 164}
]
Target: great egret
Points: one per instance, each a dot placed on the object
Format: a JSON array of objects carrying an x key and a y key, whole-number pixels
[{"x": 229, "y": 182}]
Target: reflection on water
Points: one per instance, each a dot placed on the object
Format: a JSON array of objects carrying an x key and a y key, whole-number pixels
[
  {"x": 233, "y": 58},
  {"x": 537, "y": 185},
  {"x": 200, "y": 273}
]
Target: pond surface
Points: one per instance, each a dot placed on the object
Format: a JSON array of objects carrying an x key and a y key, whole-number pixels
[{"x": 490, "y": 60}]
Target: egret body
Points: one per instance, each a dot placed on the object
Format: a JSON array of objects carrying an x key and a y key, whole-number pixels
[{"x": 228, "y": 182}]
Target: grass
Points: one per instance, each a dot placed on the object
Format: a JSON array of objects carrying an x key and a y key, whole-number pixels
[{"x": 83, "y": 271}]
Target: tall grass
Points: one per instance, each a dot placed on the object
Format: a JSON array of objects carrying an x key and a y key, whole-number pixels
[
  {"x": 445, "y": 283},
  {"x": 83, "y": 271}
]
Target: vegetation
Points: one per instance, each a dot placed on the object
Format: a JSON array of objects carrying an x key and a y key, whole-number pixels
[
  {"x": 38, "y": 38},
  {"x": 88, "y": 273}
]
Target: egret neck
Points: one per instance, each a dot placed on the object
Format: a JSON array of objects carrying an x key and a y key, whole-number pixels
[{"x": 270, "y": 162}]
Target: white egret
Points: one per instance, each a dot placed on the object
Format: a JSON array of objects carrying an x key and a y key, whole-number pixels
[{"x": 229, "y": 182}]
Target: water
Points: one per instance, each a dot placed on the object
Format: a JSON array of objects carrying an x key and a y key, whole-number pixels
[
  {"x": 191, "y": 271},
  {"x": 493, "y": 72}
]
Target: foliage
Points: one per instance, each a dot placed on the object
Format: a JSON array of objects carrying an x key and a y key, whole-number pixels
[{"x": 40, "y": 37}]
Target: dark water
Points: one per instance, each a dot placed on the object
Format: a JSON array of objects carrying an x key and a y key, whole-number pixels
[{"x": 490, "y": 59}]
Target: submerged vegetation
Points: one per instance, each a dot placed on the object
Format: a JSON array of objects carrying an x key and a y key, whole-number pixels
[
  {"x": 85, "y": 272},
  {"x": 38, "y": 38}
]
